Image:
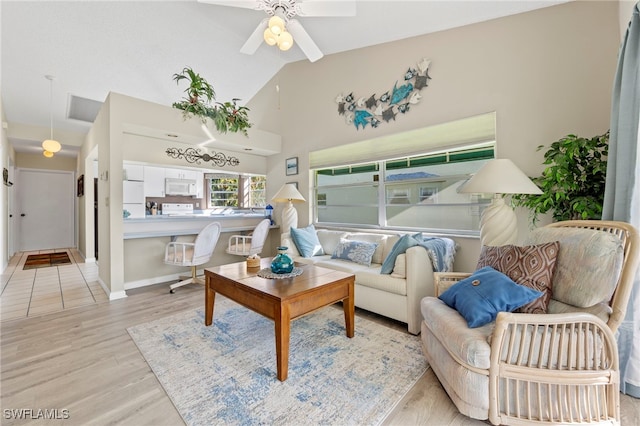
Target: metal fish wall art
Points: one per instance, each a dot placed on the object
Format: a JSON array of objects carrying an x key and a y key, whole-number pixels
[{"x": 362, "y": 111}]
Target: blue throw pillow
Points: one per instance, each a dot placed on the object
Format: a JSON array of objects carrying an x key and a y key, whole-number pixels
[
  {"x": 355, "y": 251},
  {"x": 486, "y": 292},
  {"x": 306, "y": 241},
  {"x": 398, "y": 248}
]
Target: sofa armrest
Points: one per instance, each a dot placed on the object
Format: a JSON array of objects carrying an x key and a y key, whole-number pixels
[
  {"x": 419, "y": 276},
  {"x": 444, "y": 280}
]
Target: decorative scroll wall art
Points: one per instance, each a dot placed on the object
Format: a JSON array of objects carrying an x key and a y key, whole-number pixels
[
  {"x": 373, "y": 110},
  {"x": 194, "y": 155}
]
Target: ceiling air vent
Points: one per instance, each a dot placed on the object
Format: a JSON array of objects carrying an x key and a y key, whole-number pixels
[{"x": 83, "y": 109}]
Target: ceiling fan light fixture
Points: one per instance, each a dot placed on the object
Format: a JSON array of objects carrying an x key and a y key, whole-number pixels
[
  {"x": 276, "y": 25},
  {"x": 285, "y": 41},
  {"x": 51, "y": 145},
  {"x": 47, "y": 154},
  {"x": 270, "y": 38}
]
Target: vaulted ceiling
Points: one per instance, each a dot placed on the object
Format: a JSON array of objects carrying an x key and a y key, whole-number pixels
[{"x": 134, "y": 47}]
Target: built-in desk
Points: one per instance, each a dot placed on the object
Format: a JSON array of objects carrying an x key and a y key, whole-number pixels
[{"x": 145, "y": 240}]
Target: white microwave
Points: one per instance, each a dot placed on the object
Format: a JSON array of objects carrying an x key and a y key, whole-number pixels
[{"x": 179, "y": 187}]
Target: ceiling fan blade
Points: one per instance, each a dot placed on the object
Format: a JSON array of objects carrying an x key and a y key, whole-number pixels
[
  {"x": 301, "y": 37},
  {"x": 327, "y": 8},
  {"x": 255, "y": 39},
  {"x": 245, "y": 4}
]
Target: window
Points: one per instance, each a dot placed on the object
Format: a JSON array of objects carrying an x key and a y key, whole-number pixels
[
  {"x": 257, "y": 191},
  {"x": 236, "y": 191},
  {"x": 418, "y": 192}
]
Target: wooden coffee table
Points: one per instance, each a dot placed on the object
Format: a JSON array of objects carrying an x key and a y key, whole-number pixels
[{"x": 281, "y": 300}]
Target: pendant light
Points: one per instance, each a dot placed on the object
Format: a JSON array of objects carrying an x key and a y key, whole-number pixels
[{"x": 50, "y": 146}]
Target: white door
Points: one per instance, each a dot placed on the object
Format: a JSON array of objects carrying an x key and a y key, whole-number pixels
[{"x": 45, "y": 209}]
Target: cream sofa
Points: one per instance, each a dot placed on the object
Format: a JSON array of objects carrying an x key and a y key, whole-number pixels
[{"x": 394, "y": 296}]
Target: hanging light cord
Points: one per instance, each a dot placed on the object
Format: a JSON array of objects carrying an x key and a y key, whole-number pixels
[{"x": 50, "y": 78}]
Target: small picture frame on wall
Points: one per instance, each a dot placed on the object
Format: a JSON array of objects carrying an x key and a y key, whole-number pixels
[
  {"x": 294, "y": 184},
  {"x": 81, "y": 186},
  {"x": 292, "y": 166}
]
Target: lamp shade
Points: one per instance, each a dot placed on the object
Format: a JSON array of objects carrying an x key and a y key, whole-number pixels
[
  {"x": 500, "y": 176},
  {"x": 288, "y": 192},
  {"x": 47, "y": 154}
]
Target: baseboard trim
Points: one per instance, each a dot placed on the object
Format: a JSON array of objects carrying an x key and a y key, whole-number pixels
[
  {"x": 113, "y": 295},
  {"x": 151, "y": 281}
]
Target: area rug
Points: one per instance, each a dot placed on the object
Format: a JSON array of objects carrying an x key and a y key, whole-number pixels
[
  {"x": 226, "y": 374},
  {"x": 45, "y": 260}
]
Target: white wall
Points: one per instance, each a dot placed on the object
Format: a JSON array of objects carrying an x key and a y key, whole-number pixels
[
  {"x": 546, "y": 73},
  {"x": 7, "y": 158}
]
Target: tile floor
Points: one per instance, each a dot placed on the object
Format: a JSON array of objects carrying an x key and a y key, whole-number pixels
[{"x": 45, "y": 290}]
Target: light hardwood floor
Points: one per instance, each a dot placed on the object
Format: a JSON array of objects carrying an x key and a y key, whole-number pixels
[{"x": 84, "y": 361}]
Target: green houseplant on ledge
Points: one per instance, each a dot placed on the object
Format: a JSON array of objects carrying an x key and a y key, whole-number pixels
[
  {"x": 201, "y": 102},
  {"x": 573, "y": 182}
]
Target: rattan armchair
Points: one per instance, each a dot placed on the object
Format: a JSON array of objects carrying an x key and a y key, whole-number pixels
[{"x": 554, "y": 368}]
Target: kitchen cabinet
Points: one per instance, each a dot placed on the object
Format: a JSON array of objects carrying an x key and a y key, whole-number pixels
[
  {"x": 154, "y": 181},
  {"x": 199, "y": 184},
  {"x": 180, "y": 174},
  {"x": 132, "y": 172},
  {"x": 133, "y": 192}
]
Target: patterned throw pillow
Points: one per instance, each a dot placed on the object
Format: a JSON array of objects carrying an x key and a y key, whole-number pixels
[
  {"x": 531, "y": 266},
  {"x": 355, "y": 251}
]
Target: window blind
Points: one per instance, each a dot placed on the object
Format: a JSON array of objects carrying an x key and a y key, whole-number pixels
[{"x": 471, "y": 130}]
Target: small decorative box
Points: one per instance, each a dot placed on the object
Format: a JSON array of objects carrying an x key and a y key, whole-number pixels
[{"x": 253, "y": 262}]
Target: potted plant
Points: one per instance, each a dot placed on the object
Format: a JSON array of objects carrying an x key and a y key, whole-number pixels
[
  {"x": 226, "y": 116},
  {"x": 573, "y": 182}
]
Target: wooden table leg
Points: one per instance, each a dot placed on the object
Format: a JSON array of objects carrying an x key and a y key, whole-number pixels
[
  {"x": 209, "y": 299},
  {"x": 348, "y": 305},
  {"x": 282, "y": 322}
]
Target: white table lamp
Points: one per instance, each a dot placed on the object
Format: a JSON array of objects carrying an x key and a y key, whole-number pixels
[
  {"x": 499, "y": 225},
  {"x": 288, "y": 193}
]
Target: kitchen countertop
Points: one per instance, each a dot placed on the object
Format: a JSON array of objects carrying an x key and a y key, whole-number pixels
[
  {"x": 153, "y": 226},
  {"x": 196, "y": 216}
]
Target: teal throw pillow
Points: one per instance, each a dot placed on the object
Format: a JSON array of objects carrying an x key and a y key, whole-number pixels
[
  {"x": 306, "y": 241},
  {"x": 355, "y": 251},
  {"x": 398, "y": 248},
  {"x": 486, "y": 292}
]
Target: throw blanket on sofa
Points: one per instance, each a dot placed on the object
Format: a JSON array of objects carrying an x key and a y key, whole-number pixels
[{"x": 441, "y": 251}]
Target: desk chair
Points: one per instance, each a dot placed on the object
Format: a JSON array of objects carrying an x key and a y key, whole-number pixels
[
  {"x": 192, "y": 254},
  {"x": 247, "y": 245}
]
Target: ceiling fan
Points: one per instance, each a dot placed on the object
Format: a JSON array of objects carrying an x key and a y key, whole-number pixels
[{"x": 281, "y": 29}]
